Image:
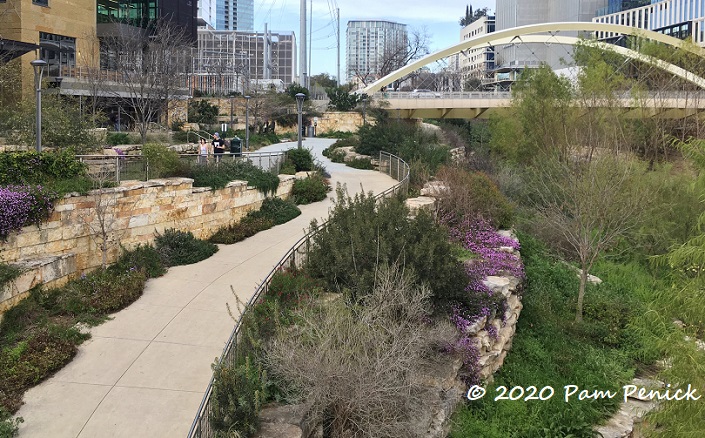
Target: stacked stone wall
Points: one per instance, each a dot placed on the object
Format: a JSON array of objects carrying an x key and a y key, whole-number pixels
[{"x": 65, "y": 245}]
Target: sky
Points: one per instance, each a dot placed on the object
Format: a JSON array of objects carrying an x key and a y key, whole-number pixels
[{"x": 439, "y": 18}]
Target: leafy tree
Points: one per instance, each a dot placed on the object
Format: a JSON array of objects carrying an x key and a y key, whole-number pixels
[
  {"x": 341, "y": 99},
  {"x": 323, "y": 80},
  {"x": 294, "y": 89},
  {"x": 202, "y": 111}
]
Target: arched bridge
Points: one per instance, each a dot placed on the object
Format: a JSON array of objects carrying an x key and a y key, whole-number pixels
[{"x": 472, "y": 105}]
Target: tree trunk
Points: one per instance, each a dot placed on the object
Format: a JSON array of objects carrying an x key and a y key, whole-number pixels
[{"x": 581, "y": 295}]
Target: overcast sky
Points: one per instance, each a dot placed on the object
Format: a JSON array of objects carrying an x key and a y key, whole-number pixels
[{"x": 439, "y": 18}]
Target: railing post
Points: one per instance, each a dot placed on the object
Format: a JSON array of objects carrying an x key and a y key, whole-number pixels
[{"x": 117, "y": 169}]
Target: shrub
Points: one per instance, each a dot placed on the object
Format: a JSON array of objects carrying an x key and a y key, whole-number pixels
[
  {"x": 357, "y": 367},
  {"x": 360, "y": 163},
  {"x": 473, "y": 194},
  {"x": 21, "y": 206},
  {"x": 302, "y": 159},
  {"x": 363, "y": 234},
  {"x": 8, "y": 425},
  {"x": 238, "y": 394},
  {"x": 273, "y": 211},
  {"x": 118, "y": 138},
  {"x": 246, "y": 227},
  {"x": 311, "y": 189},
  {"x": 288, "y": 168},
  {"x": 39, "y": 168},
  {"x": 182, "y": 248},
  {"x": 144, "y": 257},
  {"x": 277, "y": 210},
  {"x": 334, "y": 154},
  {"x": 218, "y": 176},
  {"x": 161, "y": 160},
  {"x": 335, "y": 134}
]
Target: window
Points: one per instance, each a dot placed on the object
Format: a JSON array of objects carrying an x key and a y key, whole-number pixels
[
  {"x": 39, "y": 2},
  {"x": 58, "y": 51}
]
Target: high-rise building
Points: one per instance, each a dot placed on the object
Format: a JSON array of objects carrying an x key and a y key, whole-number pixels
[
  {"x": 141, "y": 13},
  {"x": 235, "y": 15},
  {"x": 374, "y": 48},
  {"x": 477, "y": 63},
  {"x": 513, "y": 13}
]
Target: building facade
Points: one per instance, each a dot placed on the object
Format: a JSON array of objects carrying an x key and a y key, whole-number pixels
[
  {"x": 207, "y": 13},
  {"x": 235, "y": 15},
  {"x": 678, "y": 18},
  {"x": 476, "y": 65},
  {"x": 513, "y": 13},
  {"x": 63, "y": 30},
  {"x": 227, "y": 62},
  {"x": 373, "y": 49}
]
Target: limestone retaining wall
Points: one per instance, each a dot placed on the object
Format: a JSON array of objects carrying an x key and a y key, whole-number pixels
[{"x": 65, "y": 245}]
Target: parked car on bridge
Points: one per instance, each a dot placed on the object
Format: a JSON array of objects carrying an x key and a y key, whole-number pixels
[{"x": 424, "y": 93}]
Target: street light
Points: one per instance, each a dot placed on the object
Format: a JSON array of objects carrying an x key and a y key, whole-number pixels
[
  {"x": 364, "y": 103},
  {"x": 38, "y": 65},
  {"x": 299, "y": 106},
  {"x": 247, "y": 123}
]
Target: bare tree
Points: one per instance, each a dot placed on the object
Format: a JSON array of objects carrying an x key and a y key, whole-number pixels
[
  {"x": 103, "y": 222},
  {"x": 587, "y": 206},
  {"x": 396, "y": 56},
  {"x": 150, "y": 66}
]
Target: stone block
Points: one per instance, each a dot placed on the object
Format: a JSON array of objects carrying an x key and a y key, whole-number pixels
[
  {"x": 498, "y": 285},
  {"x": 139, "y": 220},
  {"x": 420, "y": 203}
]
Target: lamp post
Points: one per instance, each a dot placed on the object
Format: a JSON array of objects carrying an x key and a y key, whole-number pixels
[
  {"x": 247, "y": 123},
  {"x": 299, "y": 106},
  {"x": 364, "y": 104},
  {"x": 38, "y": 65}
]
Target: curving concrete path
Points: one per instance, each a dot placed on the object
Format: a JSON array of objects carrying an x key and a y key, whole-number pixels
[{"x": 144, "y": 373}]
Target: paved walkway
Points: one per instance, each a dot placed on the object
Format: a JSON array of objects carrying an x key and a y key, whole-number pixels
[{"x": 144, "y": 373}]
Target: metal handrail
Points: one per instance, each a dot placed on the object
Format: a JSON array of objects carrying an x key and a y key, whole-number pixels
[
  {"x": 117, "y": 164},
  {"x": 200, "y": 428}
]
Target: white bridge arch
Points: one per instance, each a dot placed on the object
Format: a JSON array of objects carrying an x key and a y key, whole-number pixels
[{"x": 528, "y": 33}]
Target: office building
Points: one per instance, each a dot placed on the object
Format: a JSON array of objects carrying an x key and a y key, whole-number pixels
[
  {"x": 476, "y": 65},
  {"x": 678, "y": 18},
  {"x": 226, "y": 62},
  {"x": 373, "y": 49},
  {"x": 207, "y": 16},
  {"x": 513, "y": 13}
]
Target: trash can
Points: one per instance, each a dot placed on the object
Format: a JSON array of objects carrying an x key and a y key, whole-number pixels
[
  {"x": 310, "y": 131},
  {"x": 236, "y": 147}
]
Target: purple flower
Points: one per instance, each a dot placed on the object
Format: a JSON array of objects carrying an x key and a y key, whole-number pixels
[{"x": 23, "y": 205}]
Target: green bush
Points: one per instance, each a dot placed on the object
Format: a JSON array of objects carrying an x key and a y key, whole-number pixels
[
  {"x": 334, "y": 154},
  {"x": 363, "y": 234},
  {"x": 335, "y": 134},
  {"x": 161, "y": 160},
  {"x": 313, "y": 188},
  {"x": 177, "y": 248},
  {"x": 360, "y": 163},
  {"x": 237, "y": 397},
  {"x": 302, "y": 159},
  {"x": 246, "y": 227},
  {"x": 218, "y": 176},
  {"x": 288, "y": 168},
  {"x": 273, "y": 211},
  {"x": 8, "y": 425},
  {"x": 144, "y": 257},
  {"x": 277, "y": 210},
  {"x": 118, "y": 138},
  {"x": 474, "y": 194},
  {"x": 39, "y": 168}
]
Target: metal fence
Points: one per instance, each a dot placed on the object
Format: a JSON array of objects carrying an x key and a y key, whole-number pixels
[
  {"x": 107, "y": 168},
  {"x": 294, "y": 258}
]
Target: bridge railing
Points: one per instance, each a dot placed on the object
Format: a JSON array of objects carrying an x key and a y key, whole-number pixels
[
  {"x": 443, "y": 95},
  {"x": 294, "y": 258}
]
